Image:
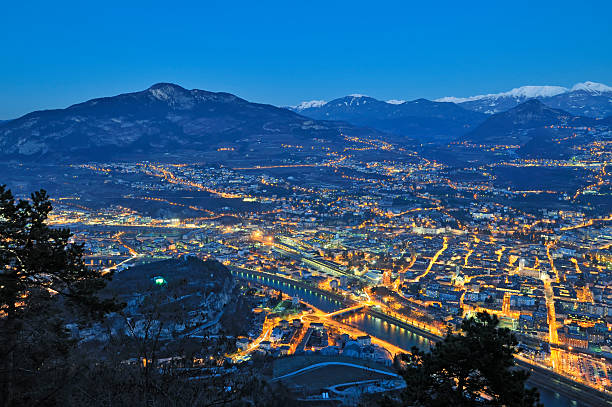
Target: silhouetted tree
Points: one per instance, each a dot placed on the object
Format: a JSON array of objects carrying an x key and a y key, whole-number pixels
[
  {"x": 474, "y": 368},
  {"x": 40, "y": 269}
]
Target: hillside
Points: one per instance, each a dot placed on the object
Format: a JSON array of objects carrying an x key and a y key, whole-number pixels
[
  {"x": 183, "y": 295},
  {"x": 515, "y": 125},
  {"x": 163, "y": 120},
  {"x": 421, "y": 119}
]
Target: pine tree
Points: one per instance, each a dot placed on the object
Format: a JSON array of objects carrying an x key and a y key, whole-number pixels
[
  {"x": 474, "y": 368},
  {"x": 39, "y": 269}
]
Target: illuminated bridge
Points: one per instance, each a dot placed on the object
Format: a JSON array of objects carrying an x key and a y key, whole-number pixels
[
  {"x": 346, "y": 311},
  {"x": 266, "y": 278}
]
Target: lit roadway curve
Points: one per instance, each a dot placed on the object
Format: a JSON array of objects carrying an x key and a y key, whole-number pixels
[
  {"x": 265, "y": 335},
  {"x": 433, "y": 260},
  {"x": 132, "y": 252}
]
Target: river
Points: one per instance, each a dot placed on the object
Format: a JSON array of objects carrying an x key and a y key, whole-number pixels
[{"x": 389, "y": 332}]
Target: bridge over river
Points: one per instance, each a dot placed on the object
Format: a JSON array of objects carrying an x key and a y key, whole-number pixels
[{"x": 555, "y": 390}]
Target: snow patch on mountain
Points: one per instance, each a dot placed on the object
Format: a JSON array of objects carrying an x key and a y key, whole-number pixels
[
  {"x": 535, "y": 91},
  {"x": 591, "y": 87},
  {"x": 309, "y": 104},
  {"x": 522, "y": 92},
  {"x": 160, "y": 94},
  {"x": 395, "y": 101},
  {"x": 165, "y": 91},
  {"x": 529, "y": 92}
]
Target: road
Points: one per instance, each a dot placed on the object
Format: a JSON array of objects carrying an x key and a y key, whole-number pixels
[{"x": 433, "y": 260}]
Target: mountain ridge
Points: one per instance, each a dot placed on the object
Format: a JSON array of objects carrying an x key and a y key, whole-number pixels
[
  {"x": 515, "y": 126},
  {"x": 421, "y": 118},
  {"x": 588, "y": 98},
  {"x": 161, "y": 119},
  {"x": 591, "y": 99}
]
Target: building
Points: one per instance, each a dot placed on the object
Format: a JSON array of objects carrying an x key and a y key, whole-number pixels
[{"x": 364, "y": 340}]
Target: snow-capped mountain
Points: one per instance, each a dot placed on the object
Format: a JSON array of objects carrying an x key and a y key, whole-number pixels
[
  {"x": 421, "y": 119},
  {"x": 528, "y": 92},
  {"x": 586, "y": 99},
  {"x": 593, "y": 88},
  {"x": 308, "y": 105}
]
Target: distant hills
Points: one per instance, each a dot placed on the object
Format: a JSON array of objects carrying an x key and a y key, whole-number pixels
[
  {"x": 421, "y": 119},
  {"x": 163, "y": 119},
  {"x": 513, "y": 126},
  {"x": 452, "y": 117},
  {"x": 588, "y": 99},
  {"x": 167, "y": 120},
  {"x": 536, "y": 130}
]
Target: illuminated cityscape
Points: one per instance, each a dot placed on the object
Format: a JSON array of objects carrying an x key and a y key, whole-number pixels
[
  {"x": 300, "y": 204},
  {"x": 389, "y": 233}
]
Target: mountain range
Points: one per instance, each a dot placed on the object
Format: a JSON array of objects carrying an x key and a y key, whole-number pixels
[
  {"x": 448, "y": 118},
  {"x": 163, "y": 119},
  {"x": 583, "y": 99},
  {"x": 168, "y": 120},
  {"x": 421, "y": 119}
]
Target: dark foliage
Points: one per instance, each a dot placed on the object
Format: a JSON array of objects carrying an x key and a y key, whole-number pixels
[
  {"x": 474, "y": 368},
  {"x": 45, "y": 287},
  {"x": 42, "y": 276}
]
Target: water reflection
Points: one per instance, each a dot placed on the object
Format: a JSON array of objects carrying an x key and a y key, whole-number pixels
[{"x": 388, "y": 332}]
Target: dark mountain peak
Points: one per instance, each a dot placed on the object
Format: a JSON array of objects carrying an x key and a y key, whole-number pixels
[
  {"x": 159, "y": 96},
  {"x": 531, "y": 104},
  {"x": 353, "y": 100},
  {"x": 514, "y": 125},
  {"x": 166, "y": 86},
  {"x": 163, "y": 119},
  {"x": 179, "y": 97},
  {"x": 531, "y": 110},
  {"x": 173, "y": 94}
]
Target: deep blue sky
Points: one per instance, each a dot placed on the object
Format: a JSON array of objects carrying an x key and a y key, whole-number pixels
[{"x": 56, "y": 53}]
